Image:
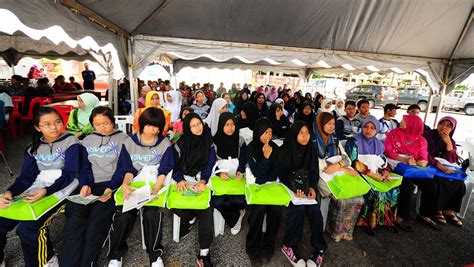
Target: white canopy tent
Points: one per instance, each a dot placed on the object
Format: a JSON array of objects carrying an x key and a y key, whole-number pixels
[{"x": 434, "y": 37}]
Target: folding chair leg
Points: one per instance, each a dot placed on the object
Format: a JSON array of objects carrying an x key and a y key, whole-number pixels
[
  {"x": 7, "y": 166},
  {"x": 264, "y": 225},
  {"x": 324, "y": 207},
  {"x": 219, "y": 223},
  {"x": 176, "y": 227},
  {"x": 142, "y": 230}
]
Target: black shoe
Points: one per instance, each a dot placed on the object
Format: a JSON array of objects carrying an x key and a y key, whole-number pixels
[
  {"x": 204, "y": 261},
  {"x": 404, "y": 226},
  {"x": 429, "y": 223}
]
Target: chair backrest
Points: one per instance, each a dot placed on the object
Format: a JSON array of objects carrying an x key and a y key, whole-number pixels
[
  {"x": 124, "y": 124},
  {"x": 18, "y": 104},
  {"x": 35, "y": 104},
  {"x": 65, "y": 111}
]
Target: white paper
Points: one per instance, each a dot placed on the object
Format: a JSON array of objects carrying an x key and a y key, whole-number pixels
[
  {"x": 247, "y": 134},
  {"x": 137, "y": 198},
  {"x": 301, "y": 201},
  {"x": 278, "y": 142},
  {"x": 78, "y": 199}
]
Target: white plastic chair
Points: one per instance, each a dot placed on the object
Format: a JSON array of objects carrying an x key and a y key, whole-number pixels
[
  {"x": 219, "y": 223},
  {"x": 124, "y": 123},
  {"x": 324, "y": 207}
]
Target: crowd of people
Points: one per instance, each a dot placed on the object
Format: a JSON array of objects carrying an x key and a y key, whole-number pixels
[{"x": 195, "y": 134}]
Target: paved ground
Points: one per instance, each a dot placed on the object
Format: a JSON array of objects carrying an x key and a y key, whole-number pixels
[{"x": 451, "y": 247}]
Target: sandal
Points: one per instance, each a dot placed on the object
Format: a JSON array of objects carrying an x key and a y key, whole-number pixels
[
  {"x": 429, "y": 223},
  {"x": 439, "y": 218},
  {"x": 405, "y": 227},
  {"x": 453, "y": 219}
]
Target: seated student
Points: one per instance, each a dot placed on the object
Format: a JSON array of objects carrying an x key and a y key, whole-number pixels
[
  {"x": 289, "y": 105},
  {"x": 43, "y": 88},
  {"x": 262, "y": 108},
  {"x": 363, "y": 107},
  {"x": 178, "y": 124},
  {"x": 451, "y": 192},
  {"x": 262, "y": 156},
  {"x": 16, "y": 87},
  {"x": 227, "y": 98},
  {"x": 200, "y": 107},
  {"x": 87, "y": 226},
  {"x": 193, "y": 170},
  {"x": 387, "y": 122},
  {"x": 379, "y": 208},
  {"x": 73, "y": 82},
  {"x": 173, "y": 101},
  {"x": 326, "y": 106},
  {"x": 346, "y": 125},
  {"x": 218, "y": 107},
  {"x": 146, "y": 150},
  {"x": 248, "y": 116},
  {"x": 78, "y": 122},
  {"x": 51, "y": 150},
  {"x": 407, "y": 145},
  {"x": 230, "y": 147},
  {"x": 343, "y": 213},
  {"x": 339, "y": 108},
  {"x": 152, "y": 100},
  {"x": 61, "y": 86},
  {"x": 142, "y": 92},
  {"x": 306, "y": 113},
  {"x": 280, "y": 122},
  {"x": 297, "y": 155}
]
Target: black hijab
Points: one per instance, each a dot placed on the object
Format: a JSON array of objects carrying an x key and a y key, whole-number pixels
[
  {"x": 239, "y": 103},
  {"x": 255, "y": 147},
  {"x": 251, "y": 114},
  {"x": 194, "y": 149},
  {"x": 293, "y": 155},
  {"x": 308, "y": 119},
  {"x": 227, "y": 146},
  {"x": 317, "y": 105}
]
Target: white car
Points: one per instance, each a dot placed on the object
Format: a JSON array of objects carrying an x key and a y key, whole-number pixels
[
  {"x": 329, "y": 88},
  {"x": 460, "y": 100}
]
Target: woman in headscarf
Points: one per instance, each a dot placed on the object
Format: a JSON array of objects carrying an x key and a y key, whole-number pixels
[
  {"x": 262, "y": 156},
  {"x": 78, "y": 122},
  {"x": 231, "y": 153},
  {"x": 261, "y": 104},
  {"x": 297, "y": 156},
  {"x": 298, "y": 99},
  {"x": 343, "y": 213},
  {"x": 326, "y": 106},
  {"x": 196, "y": 160},
  {"x": 318, "y": 99},
  {"x": 248, "y": 116},
  {"x": 451, "y": 192},
  {"x": 142, "y": 93},
  {"x": 200, "y": 107},
  {"x": 178, "y": 125},
  {"x": 173, "y": 101},
  {"x": 306, "y": 113},
  {"x": 272, "y": 95},
  {"x": 339, "y": 108},
  {"x": 230, "y": 105},
  {"x": 289, "y": 106},
  {"x": 152, "y": 100},
  {"x": 407, "y": 145},
  {"x": 280, "y": 122},
  {"x": 242, "y": 98},
  {"x": 379, "y": 208},
  {"x": 218, "y": 107},
  {"x": 281, "y": 102},
  {"x": 308, "y": 97}
]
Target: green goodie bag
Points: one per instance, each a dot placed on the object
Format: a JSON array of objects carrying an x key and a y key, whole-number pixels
[
  {"x": 396, "y": 181},
  {"x": 230, "y": 186},
  {"x": 271, "y": 193},
  {"x": 159, "y": 201},
  {"x": 344, "y": 186},
  {"x": 188, "y": 199}
]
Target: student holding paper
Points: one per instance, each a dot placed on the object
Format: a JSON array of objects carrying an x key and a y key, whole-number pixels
[
  {"x": 300, "y": 172},
  {"x": 262, "y": 155},
  {"x": 380, "y": 208},
  {"x": 50, "y": 165},
  {"x": 193, "y": 170},
  {"x": 148, "y": 157},
  {"x": 231, "y": 154},
  {"x": 87, "y": 226}
]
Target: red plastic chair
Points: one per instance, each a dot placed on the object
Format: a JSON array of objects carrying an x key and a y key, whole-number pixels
[
  {"x": 35, "y": 104},
  {"x": 15, "y": 116},
  {"x": 65, "y": 111}
]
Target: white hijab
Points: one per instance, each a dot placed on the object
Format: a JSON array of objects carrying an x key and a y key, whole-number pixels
[
  {"x": 175, "y": 105},
  {"x": 212, "y": 119},
  {"x": 323, "y": 106},
  {"x": 340, "y": 111}
]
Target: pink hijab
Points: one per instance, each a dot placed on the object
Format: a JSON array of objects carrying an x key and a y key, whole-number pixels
[{"x": 408, "y": 140}]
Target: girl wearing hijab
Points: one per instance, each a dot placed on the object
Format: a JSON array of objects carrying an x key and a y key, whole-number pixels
[
  {"x": 342, "y": 213},
  {"x": 280, "y": 122},
  {"x": 308, "y": 97},
  {"x": 340, "y": 107},
  {"x": 248, "y": 116},
  {"x": 289, "y": 106},
  {"x": 230, "y": 147},
  {"x": 78, "y": 122},
  {"x": 196, "y": 160},
  {"x": 146, "y": 151},
  {"x": 262, "y": 156},
  {"x": 152, "y": 100},
  {"x": 306, "y": 113},
  {"x": 218, "y": 107},
  {"x": 379, "y": 208},
  {"x": 261, "y": 104},
  {"x": 200, "y": 107},
  {"x": 272, "y": 95},
  {"x": 173, "y": 100},
  {"x": 297, "y": 155},
  {"x": 228, "y": 98},
  {"x": 143, "y": 91},
  {"x": 178, "y": 125},
  {"x": 407, "y": 145},
  {"x": 318, "y": 99},
  {"x": 326, "y": 106},
  {"x": 242, "y": 98},
  {"x": 281, "y": 102},
  {"x": 451, "y": 192}
]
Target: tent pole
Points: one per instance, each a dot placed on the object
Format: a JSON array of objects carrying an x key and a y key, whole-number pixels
[
  {"x": 13, "y": 70},
  {"x": 441, "y": 100},
  {"x": 131, "y": 67}
]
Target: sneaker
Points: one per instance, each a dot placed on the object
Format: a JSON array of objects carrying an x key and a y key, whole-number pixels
[
  {"x": 316, "y": 260},
  {"x": 2, "y": 264},
  {"x": 204, "y": 261},
  {"x": 53, "y": 262},
  {"x": 115, "y": 263},
  {"x": 236, "y": 229},
  {"x": 293, "y": 256},
  {"x": 158, "y": 263}
]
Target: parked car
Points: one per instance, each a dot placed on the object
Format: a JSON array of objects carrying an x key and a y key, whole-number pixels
[
  {"x": 460, "y": 100},
  {"x": 375, "y": 94},
  {"x": 416, "y": 95},
  {"x": 329, "y": 88}
]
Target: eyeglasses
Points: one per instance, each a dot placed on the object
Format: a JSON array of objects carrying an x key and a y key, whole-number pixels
[
  {"x": 57, "y": 123},
  {"x": 103, "y": 125}
]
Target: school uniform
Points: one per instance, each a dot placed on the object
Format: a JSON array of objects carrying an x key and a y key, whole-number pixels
[
  {"x": 62, "y": 154},
  {"x": 87, "y": 226}
]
